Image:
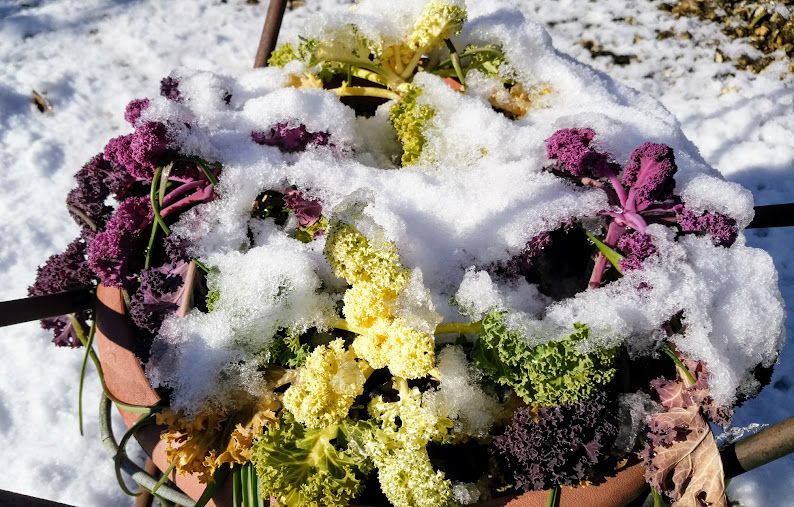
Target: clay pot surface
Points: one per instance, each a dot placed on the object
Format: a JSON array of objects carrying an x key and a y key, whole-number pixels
[{"x": 125, "y": 379}]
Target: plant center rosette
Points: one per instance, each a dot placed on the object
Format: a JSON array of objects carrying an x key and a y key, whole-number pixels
[{"x": 425, "y": 259}]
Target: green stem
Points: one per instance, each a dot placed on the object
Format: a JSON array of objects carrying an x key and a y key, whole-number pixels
[
  {"x": 385, "y": 75},
  {"x": 657, "y": 498},
  {"x": 204, "y": 167},
  {"x": 201, "y": 265},
  {"x": 445, "y": 328},
  {"x": 122, "y": 452},
  {"x": 459, "y": 327},
  {"x": 164, "y": 477},
  {"x": 667, "y": 350},
  {"x": 365, "y": 91},
  {"x": 88, "y": 346},
  {"x": 90, "y": 223},
  {"x": 155, "y": 201},
  {"x": 95, "y": 359},
  {"x": 148, "y": 261},
  {"x": 554, "y": 497},
  {"x": 412, "y": 64},
  {"x": 466, "y": 53},
  {"x": 164, "y": 183},
  {"x": 453, "y": 55}
]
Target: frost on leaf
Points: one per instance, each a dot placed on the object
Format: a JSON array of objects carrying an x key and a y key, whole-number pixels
[{"x": 681, "y": 456}]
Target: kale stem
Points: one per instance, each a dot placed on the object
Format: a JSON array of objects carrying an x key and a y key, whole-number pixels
[
  {"x": 201, "y": 265},
  {"x": 412, "y": 64},
  {"x": 614, "y": 232},
  {"x": 82, "y": 216},
  {"x": 164, "y": 183},
  {"x": 148, "y": 261},
  {"x": 467, "y": 53},
  {"x": 163, "y": 478},
  {"x": 459, "y": 327},
  {"x": 365, "y": 91},
  {"x": 155, "y": 201},
  {"x": 554, "y": 497},
  {"x": 688, "y": 374},
  {"x": 657, "y": 498},
  {"x": 205, "y": 168},
  {"x": 453, "y": 54},
  {"x": 95, "y": 359},
  {"x": 88, "y": 345},
  {"x": 447, "y": 328}
]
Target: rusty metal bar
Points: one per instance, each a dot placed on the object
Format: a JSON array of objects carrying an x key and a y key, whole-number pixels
[{"x": 267, "y": 42}]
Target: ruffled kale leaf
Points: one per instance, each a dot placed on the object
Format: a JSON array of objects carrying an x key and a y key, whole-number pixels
[
  {"x": 160, "y": 292},
  {"x": 558, "y": 445},
  {"x": 551, "y": 373},
  {"x": 309, "y": 467}
]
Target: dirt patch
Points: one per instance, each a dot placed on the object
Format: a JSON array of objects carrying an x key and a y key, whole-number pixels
[{"x": 767, "y": 25}]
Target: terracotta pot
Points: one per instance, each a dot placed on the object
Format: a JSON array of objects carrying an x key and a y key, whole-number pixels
[{"x": 126, "y": 381}]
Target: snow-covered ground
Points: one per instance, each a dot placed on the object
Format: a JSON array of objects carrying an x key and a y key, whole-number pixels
[{"x": 89, "y": 57}]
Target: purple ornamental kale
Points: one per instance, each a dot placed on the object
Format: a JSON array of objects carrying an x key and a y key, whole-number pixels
[
  {"x": 521, "y": 263},
  {"x": 558, "y": 445},
  {"x": 721, "y": 228},
  {"x": 306, "y": 209},
  {"x": 176, "y": 248},
  {"x": 117, "y": 253},
  {"x": 140, "y": 152},
  {"x": 86, "y": 202},
  {"x": 290, "y": 139},
  {"x": 649, "y": 175},
  {"x": 134, "y": 110},
  {"x": 65, "y": 271},
  {"x": 169, "y": 88},
  {"x": 160, "y": 292},
  {"x": 636, "y": 246},
  {"x": 571, "y": 148},
  {"x": 643, "y": 195}
]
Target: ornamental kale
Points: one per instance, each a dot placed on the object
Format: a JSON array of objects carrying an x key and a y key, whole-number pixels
[
  {"x": 287, "y": 349},
  {"x": 306, "y": 209},
  {"x": 309, "y": 467},
  {"x": 96, "y": 180},
  {"x": 558, "y": 445},
  {"x": 160, "y": 292},
  {"x": 409, "y": 120},
  {"x": 643, "y": 195},
  {"x": 327, "y": 385},
  {"x": 65, "y": 271},
  {"x": 86, "y": 202},
  {"x": 551, "y": 373},
  {"x": 398, "y": 447},
  {"x": 134, "y": 110},
  {"x": 290, "y": 139},
  {"x": 116, "y": 254},
  {"x": 140, "y": 152},
  {"x": 636, "y": 246}
]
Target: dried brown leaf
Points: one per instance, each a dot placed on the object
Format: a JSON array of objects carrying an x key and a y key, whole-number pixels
[{"x": 689, "y": 470}]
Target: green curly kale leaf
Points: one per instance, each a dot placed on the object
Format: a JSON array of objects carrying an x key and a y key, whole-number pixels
[
  {"x": 287, "y": 350},
  {"x": 553, "y": 373},
  {"x": 282, "y": 55},
  {"x": 302, "y": 467},
  {"x": 409, "y": 120}
]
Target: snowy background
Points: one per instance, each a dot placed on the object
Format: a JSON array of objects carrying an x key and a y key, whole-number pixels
[{"x": 90, "y": 57}]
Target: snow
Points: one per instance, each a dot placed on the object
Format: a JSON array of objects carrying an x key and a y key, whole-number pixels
[{"x": 90, "y": 58}]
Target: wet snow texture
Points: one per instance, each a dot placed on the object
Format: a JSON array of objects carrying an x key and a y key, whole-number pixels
[{"x": 90, "y": 58}]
